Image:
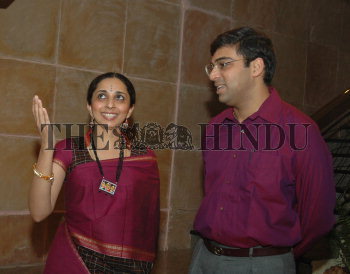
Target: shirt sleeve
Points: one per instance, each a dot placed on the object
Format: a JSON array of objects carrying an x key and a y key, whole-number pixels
[
  {"x": 63, "y": 153},
  {"x": 315, "y": 190}
]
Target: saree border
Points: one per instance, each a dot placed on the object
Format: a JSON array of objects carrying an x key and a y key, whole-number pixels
[
  {"x": 114, "y": 250},
  {"x": 73, "y": 247}
]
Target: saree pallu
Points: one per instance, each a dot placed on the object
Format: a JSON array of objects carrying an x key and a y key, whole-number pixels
[
  {"x": 63, "y": 256},
  {"x": 123, "y": 225}
]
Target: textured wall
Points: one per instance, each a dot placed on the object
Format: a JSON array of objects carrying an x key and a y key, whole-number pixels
[{"x": 54, "y": 48}]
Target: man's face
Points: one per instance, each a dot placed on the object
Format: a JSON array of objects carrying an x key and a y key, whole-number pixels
[{"x": 232, "y": 79}]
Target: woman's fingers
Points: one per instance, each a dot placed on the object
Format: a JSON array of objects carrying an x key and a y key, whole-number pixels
[
  {"x": 40, "y": 113},
  {"x": 46, "y": 116},
  {"x": 36, "y": 111},
  {"x": 33, "y": 106}
]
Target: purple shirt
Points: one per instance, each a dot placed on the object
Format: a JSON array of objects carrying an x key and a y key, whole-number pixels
[{"x": 268, "y": 180}]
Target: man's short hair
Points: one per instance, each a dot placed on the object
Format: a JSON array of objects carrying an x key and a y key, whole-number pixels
[{"x": 251, "y": 45}]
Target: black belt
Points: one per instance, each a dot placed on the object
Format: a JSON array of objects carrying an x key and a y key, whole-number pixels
[{"x": 246, "y": 252}]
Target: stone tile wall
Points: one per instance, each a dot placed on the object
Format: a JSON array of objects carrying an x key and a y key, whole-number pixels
[{"x": 54, "y": 48}]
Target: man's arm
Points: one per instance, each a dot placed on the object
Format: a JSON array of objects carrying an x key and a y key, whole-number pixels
[{"x": 315, "y": 190}]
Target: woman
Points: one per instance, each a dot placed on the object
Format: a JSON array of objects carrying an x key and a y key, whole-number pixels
[{"x": 111, "y": 188}]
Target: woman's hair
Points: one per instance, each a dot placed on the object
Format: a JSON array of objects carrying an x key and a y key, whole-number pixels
[{"x": 129, "y": 86}]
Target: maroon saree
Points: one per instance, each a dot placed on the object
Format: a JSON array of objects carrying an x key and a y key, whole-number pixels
[{"x": 123, "y": 225}]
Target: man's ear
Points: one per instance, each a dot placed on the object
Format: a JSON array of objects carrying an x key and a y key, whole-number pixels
[{"x": 258, "y": 67}]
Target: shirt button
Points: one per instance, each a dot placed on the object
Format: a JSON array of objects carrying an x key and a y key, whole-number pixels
[
  {"x": 234, "y": 155},
  {"x": 242, "y": 131},
  {"x": 221, "y": 208}
]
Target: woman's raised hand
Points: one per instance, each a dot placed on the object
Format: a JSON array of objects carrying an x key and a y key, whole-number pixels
[{"x": 41, "y": 119}]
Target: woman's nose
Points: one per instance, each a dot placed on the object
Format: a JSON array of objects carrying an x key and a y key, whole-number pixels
[{"x": 110, "y": 103}]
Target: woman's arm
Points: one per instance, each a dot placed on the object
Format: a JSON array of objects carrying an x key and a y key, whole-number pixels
[{"x": 43, "y": 194}]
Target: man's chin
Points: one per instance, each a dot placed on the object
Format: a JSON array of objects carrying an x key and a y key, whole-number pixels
[{"x": 222, "y": 98}]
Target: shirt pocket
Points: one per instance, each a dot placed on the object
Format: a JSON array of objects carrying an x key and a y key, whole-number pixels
[{"x": 265, "y": 172}]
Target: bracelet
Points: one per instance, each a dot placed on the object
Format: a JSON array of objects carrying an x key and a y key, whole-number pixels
[{"x": 42, "y": 176}]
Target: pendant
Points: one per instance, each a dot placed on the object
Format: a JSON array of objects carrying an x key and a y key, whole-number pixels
[{"x": 108, "y": 186}]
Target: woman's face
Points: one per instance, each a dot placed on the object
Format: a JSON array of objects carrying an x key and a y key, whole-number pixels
[{"x": 110, "y": 103}]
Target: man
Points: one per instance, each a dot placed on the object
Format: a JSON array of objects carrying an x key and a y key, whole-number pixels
[{"x": 269, "y": 191}]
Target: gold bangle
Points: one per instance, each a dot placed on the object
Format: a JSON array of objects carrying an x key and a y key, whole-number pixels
[{"x": 42, "y": 176}]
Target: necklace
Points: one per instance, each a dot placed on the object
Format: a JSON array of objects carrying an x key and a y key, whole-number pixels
[{"x": 106, "y": 185}]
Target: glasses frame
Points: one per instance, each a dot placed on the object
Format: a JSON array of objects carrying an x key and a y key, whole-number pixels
[{"x": 220, "y": 66}]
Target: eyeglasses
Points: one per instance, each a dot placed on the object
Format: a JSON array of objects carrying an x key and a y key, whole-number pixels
[{"x": 220, "y": 64}]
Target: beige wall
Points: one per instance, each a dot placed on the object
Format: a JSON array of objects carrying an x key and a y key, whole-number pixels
[{"x": 54, "y": 48}]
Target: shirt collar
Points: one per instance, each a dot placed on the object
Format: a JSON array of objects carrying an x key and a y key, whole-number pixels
[
  {"x": 227, "y": 114},
  {"x": 269, "y": 109}
]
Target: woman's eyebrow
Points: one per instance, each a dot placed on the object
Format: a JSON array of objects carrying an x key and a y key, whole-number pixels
[{"x": 113, "y": 91}]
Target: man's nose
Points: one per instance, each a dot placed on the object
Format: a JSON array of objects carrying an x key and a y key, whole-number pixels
[{"x": 214, "y": 74}]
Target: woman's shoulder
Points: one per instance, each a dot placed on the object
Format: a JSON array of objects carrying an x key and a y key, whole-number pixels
[
  {"x": 70, "y": 143},
  {"x": 63, "y": 153},
  {"x": 64, "y": 144},
  {"x": 142, "y": 151}
]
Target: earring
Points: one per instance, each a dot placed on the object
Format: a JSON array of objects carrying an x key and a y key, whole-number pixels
[
  {"x": 92, "y": 122},
  {"x": 125, "y": 124}
]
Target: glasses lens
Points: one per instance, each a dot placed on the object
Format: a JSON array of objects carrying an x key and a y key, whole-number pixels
[{"x": 209, "y": 68}]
